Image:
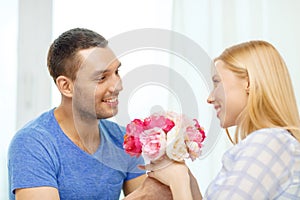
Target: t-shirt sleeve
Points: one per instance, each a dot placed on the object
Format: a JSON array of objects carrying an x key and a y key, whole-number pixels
[
  {"x": 258, "y": 168},
  {"x": 29, "y": 161},
  {"x": 134, "y": 171},
  {"x": 115, "y": 155}
]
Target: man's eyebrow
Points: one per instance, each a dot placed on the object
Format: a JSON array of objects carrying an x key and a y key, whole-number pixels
[{"x": 96, "y": 73}]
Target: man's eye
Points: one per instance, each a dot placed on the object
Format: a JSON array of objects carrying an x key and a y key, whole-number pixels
[
  {"x": 102, "y": 78},
  {"x": 117, "y": 71}
]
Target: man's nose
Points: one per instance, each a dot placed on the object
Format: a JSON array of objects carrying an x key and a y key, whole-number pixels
[{"x": 116, "y": 84}]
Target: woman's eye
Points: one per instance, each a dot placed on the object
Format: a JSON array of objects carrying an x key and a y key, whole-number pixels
[{"x": 216, "y": 81}]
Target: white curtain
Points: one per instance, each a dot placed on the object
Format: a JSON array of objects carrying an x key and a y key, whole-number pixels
[{"x": 217, "y": 24}]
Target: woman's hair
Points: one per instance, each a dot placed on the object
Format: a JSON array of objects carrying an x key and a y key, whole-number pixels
[
  {"x": 271, "y": 102},
  {"x": 62, "y": 55}
]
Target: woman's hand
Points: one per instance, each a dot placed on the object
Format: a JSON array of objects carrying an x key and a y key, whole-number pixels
[
  {"x": 167, "y": 171},
  {"x": 177, "y": 176}
]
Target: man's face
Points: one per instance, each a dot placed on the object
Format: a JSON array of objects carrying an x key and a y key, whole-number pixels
[{"x": 97, "y": 84}]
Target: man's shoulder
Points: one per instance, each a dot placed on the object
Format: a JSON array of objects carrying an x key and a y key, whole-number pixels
[
  {"x": 38, "y": 127},
  {"x": 42, "y": 119}
]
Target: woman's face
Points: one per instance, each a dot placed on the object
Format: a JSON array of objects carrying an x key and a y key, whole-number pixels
[{"x": 229, "y": 95}]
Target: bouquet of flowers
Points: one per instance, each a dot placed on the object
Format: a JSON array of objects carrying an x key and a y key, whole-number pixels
[{"x": 167, "y": 133}]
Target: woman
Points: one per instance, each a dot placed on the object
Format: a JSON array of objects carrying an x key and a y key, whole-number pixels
[{"x": 252, "y": 91}]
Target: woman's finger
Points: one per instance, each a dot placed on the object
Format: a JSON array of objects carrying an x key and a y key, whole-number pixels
[
  {"x": 151, "y": 174},
  {"x": 142, "y": 167},
  {"x": 156, "y": 166}
]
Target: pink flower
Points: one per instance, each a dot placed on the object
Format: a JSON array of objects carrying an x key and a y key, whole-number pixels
[
  {"x": 132, "y": 145},
  {"x": 200, "y": 129},
  {"x": 167, "y": 133},
  {"x": 154, "y": 143},
  {"x": 135, "y": 128},
  {"x": 159, "y": 121}
]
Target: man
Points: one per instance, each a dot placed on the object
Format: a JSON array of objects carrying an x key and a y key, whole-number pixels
[{"x": 69, "y": 152}]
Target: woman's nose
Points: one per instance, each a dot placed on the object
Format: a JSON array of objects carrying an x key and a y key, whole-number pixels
[{"x": 210, "y": 99}]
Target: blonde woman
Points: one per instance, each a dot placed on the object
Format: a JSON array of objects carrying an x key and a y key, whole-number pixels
[{"x": 252, "y": 91}]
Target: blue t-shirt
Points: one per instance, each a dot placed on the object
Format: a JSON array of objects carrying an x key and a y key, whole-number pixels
[{"x": 40, "y": 154}]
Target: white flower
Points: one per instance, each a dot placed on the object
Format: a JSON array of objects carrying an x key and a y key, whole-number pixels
[{"x": 176, "y": 147}]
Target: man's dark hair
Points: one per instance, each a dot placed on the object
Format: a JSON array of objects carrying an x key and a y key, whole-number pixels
[{"x": 62, "y": 58}]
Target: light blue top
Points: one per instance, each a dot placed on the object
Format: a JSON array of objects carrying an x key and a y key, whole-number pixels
[
  {"x": 265, "y": 165},
  {"x": 40, "y": 154}
]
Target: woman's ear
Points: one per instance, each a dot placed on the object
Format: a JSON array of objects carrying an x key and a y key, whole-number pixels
[
  {"x": 247, "y": 88},
  {"x": 65, "y": 86}
]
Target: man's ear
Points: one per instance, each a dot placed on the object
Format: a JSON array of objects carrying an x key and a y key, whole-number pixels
[{"x": 65, "y": 86}]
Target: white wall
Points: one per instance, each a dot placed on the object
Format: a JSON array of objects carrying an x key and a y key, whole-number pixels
[
  {"x": 8, "y": 83},
  {"x": 34, "y": 37}
]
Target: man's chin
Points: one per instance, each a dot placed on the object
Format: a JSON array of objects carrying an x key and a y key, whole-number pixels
[{"x": 107, "y": 114}]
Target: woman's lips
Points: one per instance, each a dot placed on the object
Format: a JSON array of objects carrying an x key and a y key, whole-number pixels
[{"x": 218, "y": 110}]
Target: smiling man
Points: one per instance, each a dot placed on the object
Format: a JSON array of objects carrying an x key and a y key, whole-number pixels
[{"x": 56, "y": 155}]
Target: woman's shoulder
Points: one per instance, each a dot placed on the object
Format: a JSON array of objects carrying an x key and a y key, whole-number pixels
[
  {"x": 265, "y": 147},
  {"x": 267, "y": 140},
  {"x": 269, "y": 135}
]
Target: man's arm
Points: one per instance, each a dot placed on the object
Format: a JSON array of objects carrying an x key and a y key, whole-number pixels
[
  {"x": 132, "y": 184},
  {"x": 151, "y": 189},
  {"x": 37, "y": 193}
]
